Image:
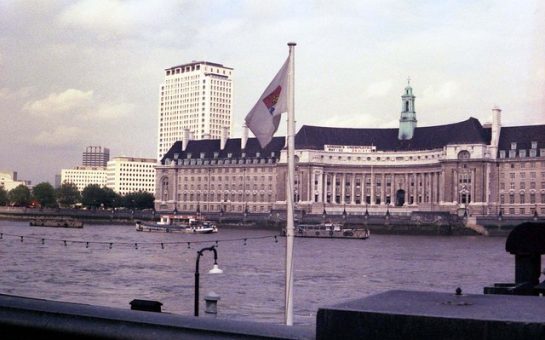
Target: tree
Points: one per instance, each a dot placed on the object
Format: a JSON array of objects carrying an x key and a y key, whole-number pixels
[
  {"x": 3, "y": 196},
  {"x": 110, "y": 198},
  {"x": 138, "y": 200},
  {"x": 68, "y": 194},
  {"x": 45, "y": 194},
  {"x": 95, "y": 196},
  {"x": 19, "y": 196},
  {"x": 92, "y": 195}
]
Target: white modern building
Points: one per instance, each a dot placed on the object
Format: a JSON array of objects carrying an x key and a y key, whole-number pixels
[
  {"x": 82, "y": 176},
  {"x": 196, "y": 97},
  {"x": 128, "y": 174}
]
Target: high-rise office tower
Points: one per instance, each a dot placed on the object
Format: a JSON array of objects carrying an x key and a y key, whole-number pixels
[
  {"x": 96, "y": 156},
  {"x": 197, "y": 96}
]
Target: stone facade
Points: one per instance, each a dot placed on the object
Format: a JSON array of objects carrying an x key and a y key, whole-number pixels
[{"x": 461, "y": 168}]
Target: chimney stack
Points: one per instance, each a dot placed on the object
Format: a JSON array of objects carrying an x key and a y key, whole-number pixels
[
  {"x": 496, "y": 127},
  {"x": 185, "y": 139},
  {"x": 244, "y": 139},
  {"x": 224, "y": 136}
]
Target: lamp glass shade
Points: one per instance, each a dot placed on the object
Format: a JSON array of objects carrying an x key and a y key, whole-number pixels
[{"x": 215, "y": 270}]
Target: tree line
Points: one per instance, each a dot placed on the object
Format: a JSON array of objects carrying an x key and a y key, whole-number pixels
[{"x": 92, "y": 196}]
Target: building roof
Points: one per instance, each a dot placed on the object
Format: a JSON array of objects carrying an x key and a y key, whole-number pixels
[
  {"x": 425, "y": 138},
  {"x": 469, "y": 131},
  {"x": 523, "y": 136},
  {"x": 193, "y": 63},
  {"x": 232, "y": 147}
]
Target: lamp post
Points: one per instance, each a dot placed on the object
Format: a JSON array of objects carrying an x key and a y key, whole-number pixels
[
  {"x": 324, "y": 214},
  {"x": 215, "y": 270}
]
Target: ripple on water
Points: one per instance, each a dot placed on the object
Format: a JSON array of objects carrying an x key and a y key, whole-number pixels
[{"x": 327, "y": 272}]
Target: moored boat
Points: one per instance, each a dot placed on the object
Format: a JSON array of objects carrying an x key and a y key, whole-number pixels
[
  {"x": 173, "y": 223},
  {"x": 331, "y": 230},
  {"x": 60, "y": 222}
]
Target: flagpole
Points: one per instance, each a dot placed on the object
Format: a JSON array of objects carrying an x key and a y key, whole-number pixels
[{"x": 289, "y": 188}]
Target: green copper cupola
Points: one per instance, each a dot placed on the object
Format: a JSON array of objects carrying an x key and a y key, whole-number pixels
[{"x": 407, "y": 122}]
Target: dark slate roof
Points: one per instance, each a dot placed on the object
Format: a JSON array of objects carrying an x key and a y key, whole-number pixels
[
  {"x": 232, "y": 146},
  {"x": 425, "y": 138},
  {"x": 523, "y": 136}
]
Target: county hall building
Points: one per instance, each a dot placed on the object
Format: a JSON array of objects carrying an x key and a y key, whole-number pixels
[{"x": 481, "y": 170}]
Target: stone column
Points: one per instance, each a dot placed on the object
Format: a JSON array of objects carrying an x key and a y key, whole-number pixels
[
  {"x": 333, "y": 187},
  {"x": 382, "y": 189},
  {"x": 324, "y": 186},
  {"x": 362, "y": 188},
  {"x": 407, "y": 191},
  {"x": 343, "y": 187},
  {"x": 353, "y": 189},
  {"x": 372, "y": 187}
]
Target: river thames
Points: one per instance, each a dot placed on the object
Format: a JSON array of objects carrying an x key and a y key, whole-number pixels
[{"x": 327, "y": 271}]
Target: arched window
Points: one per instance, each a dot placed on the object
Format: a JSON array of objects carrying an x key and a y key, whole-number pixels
[{"x": 463, "y": 155}]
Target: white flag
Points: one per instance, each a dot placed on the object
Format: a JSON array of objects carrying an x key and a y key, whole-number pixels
[{"x": 265, "y": 116}]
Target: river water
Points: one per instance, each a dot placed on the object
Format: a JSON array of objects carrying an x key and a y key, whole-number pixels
[{"x": 327, "y": 271}]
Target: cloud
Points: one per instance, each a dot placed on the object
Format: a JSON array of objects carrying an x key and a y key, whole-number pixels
[
  {"x": 56, "y": 103},
  {"x": 11, "y": 95},
  {"x": 77, "y": 105},
  {"x": 60, "y": 135},
  {"x": 441, "y": 92},
  {"x": 112, "y": 111},
  {"x": 99, "y": 16},
  {"x": 379, "y": 89}
]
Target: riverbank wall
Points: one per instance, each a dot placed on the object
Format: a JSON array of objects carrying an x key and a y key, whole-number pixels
[
  {"x": 416, "y": 223},
  {"x": 397, "y": 314}
]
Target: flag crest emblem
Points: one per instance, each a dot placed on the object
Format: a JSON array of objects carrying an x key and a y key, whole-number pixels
[{"x": 271, "y": 100}]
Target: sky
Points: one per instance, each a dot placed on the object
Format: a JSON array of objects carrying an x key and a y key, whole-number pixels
[{"x": 87, "y": 72}]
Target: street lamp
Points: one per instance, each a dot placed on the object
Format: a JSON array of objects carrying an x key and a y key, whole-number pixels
[
  {"x": 215, "y": 270},
  {"x": 324, "y": 213}
]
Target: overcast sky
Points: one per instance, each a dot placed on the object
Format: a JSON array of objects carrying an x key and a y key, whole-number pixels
[{"x": 78, "y": 73}]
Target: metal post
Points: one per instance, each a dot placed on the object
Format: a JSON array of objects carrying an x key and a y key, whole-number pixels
[
  {"x": 289, "y": 191},
  {"x": 199, "y": 254}
]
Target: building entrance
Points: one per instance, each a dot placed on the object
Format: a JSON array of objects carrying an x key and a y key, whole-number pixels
[{"x": 400, "y": 198}]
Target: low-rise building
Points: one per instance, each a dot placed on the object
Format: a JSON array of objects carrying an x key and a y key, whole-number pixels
[
  {"x": 8, "y": 180},
  {"x": 82, "y": 176}
]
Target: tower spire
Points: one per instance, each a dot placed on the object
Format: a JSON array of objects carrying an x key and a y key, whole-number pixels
[{"x": 407, "y": 121}]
